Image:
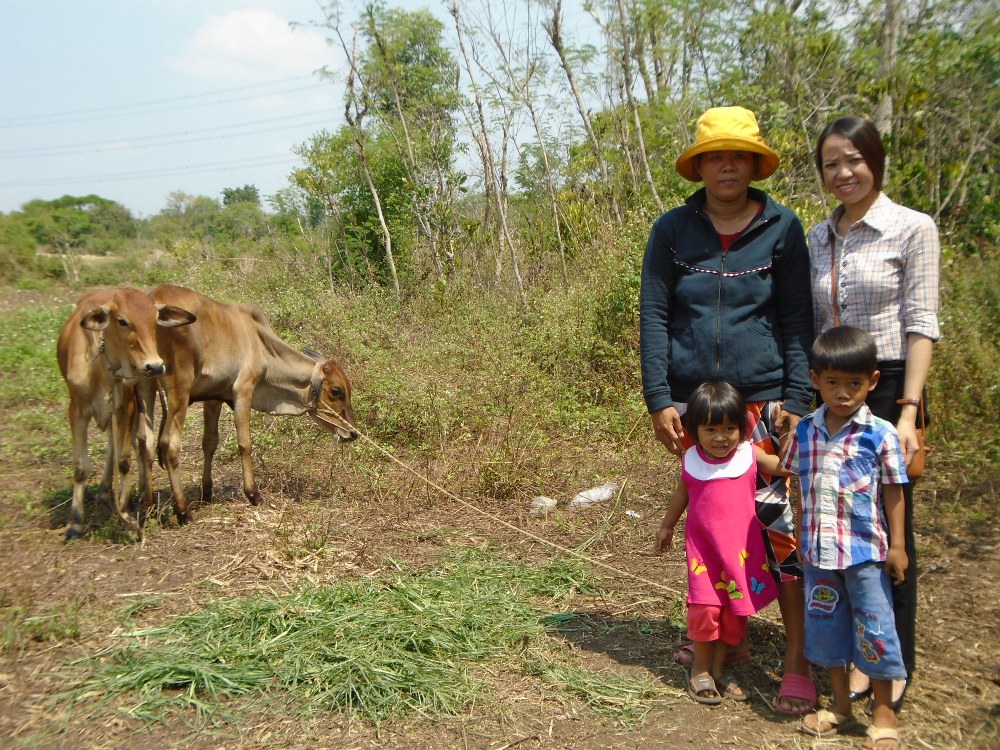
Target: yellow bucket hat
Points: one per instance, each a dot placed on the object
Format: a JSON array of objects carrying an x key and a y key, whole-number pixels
[{"x": 728, "y": 129}]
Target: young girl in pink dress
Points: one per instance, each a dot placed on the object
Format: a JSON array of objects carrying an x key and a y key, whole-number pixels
[{"x": 728, "y": 575}]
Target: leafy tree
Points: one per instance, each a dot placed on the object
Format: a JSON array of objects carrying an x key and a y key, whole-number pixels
[
  {"x": 78, "y": 221},
  {"x": 17, "y": 248},
  {"x": 245, "y": 194},
  {"x": 398, "y": 105},
  {"x": 333, "y": 181},
  {"x": 186, "y": 216},
  {"x": 944, "y": 141},
  {"x": 240, "y": 220},
  {"x": 66, "y": 227},
  {"x": 407, "y": 78}
]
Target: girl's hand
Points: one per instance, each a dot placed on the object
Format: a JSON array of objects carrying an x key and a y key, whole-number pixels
[
  {"x": 770, "y": 464},
  {"x": 664, "y": 539}
]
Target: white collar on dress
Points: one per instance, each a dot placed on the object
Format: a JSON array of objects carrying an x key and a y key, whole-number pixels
[{"x": 701, "y": 468}]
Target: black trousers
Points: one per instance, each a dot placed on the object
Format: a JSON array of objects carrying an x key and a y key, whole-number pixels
[{"x": 882, "y": 402}]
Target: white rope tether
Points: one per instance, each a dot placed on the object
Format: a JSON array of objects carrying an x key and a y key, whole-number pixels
[{"x": 324, "y": 413}]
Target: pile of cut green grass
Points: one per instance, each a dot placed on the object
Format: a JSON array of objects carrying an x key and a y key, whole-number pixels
[{"x": 408, "y": 644}]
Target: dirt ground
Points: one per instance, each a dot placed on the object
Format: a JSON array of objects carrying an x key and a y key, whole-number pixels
[{"x": 232, "y": 549}]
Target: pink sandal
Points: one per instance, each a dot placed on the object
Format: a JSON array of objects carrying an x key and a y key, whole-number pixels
[{"x": 797, "y": 687}]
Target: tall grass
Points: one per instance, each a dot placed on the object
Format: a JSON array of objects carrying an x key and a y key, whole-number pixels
[
  {"x": 504, "y": 395},
  {"x": 32, "y": 394},
  {"x": 965, "y": 376}
]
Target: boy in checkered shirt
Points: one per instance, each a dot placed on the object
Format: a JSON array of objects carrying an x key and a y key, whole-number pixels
[{"x": 851, "y": 469}]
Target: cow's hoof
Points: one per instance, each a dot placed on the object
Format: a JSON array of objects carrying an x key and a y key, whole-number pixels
[
  {"x": 255, "y": 498},
  {"x": 70, "y": 534},
  {"x": 182, "y": 518}
]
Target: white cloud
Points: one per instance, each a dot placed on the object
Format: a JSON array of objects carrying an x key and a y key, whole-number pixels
[{"x": 252, "y": 46}]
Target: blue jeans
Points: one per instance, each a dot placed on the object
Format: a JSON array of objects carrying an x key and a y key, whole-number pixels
[{"x": 849, "y": 619}]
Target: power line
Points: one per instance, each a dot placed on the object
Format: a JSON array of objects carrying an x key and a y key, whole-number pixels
[
  {"x": 263, "y": 161},
  {"x": 166, "y": 139},
  {"x": 154, "y": 105}
]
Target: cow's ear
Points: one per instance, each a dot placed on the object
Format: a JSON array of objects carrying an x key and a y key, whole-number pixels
[
  {"x": 96, "y": 319},
  {"x": 170, "y": 316},
  {"x": 313, "y": 355}
]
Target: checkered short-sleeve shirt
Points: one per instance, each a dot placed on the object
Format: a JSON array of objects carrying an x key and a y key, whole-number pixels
[
  {"x": 886, "y": 273},
  {"x": 843, "y": 520}
]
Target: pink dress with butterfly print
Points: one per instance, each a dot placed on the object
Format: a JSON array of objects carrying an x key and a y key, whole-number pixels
[{"x": 727, "y": 564}]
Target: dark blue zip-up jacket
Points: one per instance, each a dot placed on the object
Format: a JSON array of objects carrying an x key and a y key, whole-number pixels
[{"x": 744, "y": 316}]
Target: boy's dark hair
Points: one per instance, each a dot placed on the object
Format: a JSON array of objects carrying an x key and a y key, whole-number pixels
[
  {"x": 866, "y": 139},
  {"x": 844, "y": 348},
  {"x": 713, "y": 403}
]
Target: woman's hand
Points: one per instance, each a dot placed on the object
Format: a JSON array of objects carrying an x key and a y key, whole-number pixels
[
  {"x": 668, "y": 428},
  {"x": 785, "y": 423},
  {"x": 908, "y": 442}
]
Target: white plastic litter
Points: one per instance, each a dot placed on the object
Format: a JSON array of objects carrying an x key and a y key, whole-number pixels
[
  {"x": 634, "y": 514},
  {"x": 541, "y": 506},
  {"x": 594, "y": 495}
]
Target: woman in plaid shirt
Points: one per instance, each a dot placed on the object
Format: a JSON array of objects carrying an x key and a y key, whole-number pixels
[{"x": 876, "y": 266}]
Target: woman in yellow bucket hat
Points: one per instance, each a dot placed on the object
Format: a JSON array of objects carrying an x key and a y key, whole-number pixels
[{"x": 726, "y": 295}]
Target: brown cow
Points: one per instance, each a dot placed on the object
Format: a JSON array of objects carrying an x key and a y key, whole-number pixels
[
  {"x": 232, "y": 355},
  {"x": 106, "y": 346}
]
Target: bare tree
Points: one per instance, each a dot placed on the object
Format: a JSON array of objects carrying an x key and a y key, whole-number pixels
[
  {"x": 354, "y": 114},
  {"x": 554, "y": 30},
  {"x": 888, "y": 42},
  {"x": 619, "y": 47},
  {"x": 517, "y": 83},
  {"x": 494, "y": 169}
]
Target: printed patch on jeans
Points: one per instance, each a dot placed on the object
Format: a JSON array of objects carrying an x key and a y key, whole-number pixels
[
  {"x": 873, "y": 650},
  {"x": 823, "y": 598}
]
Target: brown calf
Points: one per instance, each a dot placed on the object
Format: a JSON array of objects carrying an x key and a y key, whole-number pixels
[
  {"x": 232, "y": 355},
  {"x": 106, "y": 346}
]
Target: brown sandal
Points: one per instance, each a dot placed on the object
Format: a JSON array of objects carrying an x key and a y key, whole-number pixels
[
  {"x": 703, "y": 683},
  {"x": 730, "y": 688}
]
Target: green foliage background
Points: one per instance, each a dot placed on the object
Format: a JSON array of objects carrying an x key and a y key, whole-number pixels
[{"x": 517, "y": 296}]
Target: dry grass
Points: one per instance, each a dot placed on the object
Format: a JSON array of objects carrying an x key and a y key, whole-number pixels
[{"x": 338, "y": 514}]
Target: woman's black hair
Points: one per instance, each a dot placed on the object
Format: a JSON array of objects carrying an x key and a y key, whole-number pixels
[
  {"x": 714, "y": 402},
  {"x": 866, "y": 139},
  {"x": 844, "y": 348}
]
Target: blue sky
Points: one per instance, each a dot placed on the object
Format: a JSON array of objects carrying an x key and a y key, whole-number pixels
[{"x": 136, "y": 99}]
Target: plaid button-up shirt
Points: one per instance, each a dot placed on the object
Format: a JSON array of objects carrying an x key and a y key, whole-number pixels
[
  {"x": 886, "y": 273},
  {"x": 843, "y": 520}
]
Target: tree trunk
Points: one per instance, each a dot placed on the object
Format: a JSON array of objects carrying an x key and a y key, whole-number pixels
[
  {"x": 405, "y": 149},
  {"x": 494, "y": 179},
  {"x": 888, "y": 40},
  {"x": 554, "y": 31},
  {"x": 623, "y": 54}
]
